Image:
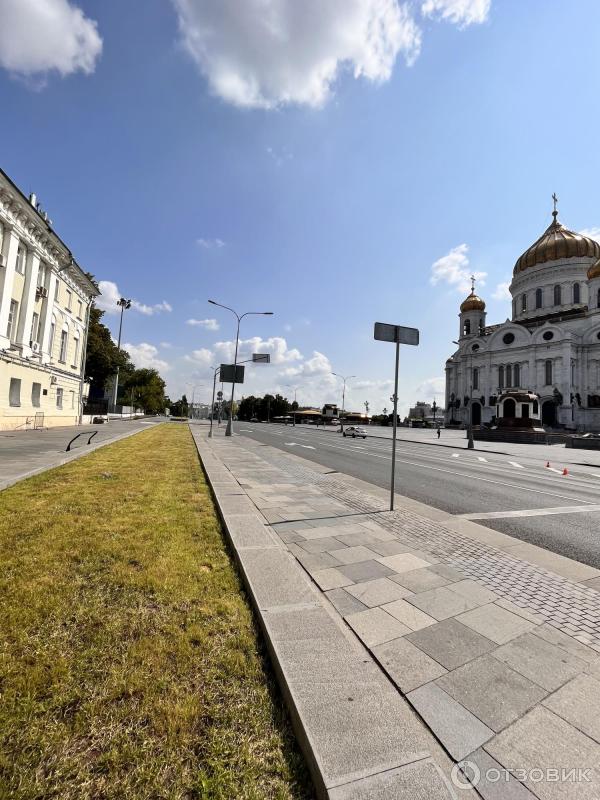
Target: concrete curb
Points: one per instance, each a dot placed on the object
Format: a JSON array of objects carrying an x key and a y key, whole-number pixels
[
  {"x": 360, "y": 738},
  {"x": 75, "y": 454}
]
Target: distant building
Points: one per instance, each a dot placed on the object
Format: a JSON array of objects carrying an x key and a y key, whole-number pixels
[
  {"x": 45, "y": 299},
  {"x": 550, "y": 347},
  {"x": 426, "y": 413}
]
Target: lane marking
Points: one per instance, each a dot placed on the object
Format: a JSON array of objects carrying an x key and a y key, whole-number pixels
[
  {"x": 551, "y": 469},
  {"x": 308, "y": 446},
  {"x": 455, "y": 455},
  {"x": 481, "y": 458},
  {"x": 531, "y": 512},
  {"x": 514, "y": 464}
]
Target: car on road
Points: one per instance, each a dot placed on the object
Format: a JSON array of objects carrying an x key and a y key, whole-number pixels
[{"x": 354, "y": 431}]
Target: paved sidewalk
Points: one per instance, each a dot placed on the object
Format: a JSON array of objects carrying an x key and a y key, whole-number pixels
[
  {"x": 26, "y": 453},
  {"x": 495, "y": 644}
]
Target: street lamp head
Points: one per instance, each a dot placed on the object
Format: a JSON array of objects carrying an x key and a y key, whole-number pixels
[
  {"x": 124, "y": 303},
  {"x": 213, "y": 302}
]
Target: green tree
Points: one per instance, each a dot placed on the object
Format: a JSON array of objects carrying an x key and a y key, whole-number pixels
[
  {"x": 147, "y": 390},
  {"x": 102, "y": 355}
]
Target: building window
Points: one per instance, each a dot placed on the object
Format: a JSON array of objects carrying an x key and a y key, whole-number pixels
[
  {"x": 36, "y": 390},
  {"x": 517, "y": 375},
  {"x": 557, "y": 296},
  {"x": 79, "y": 309},
  {"x": 523, "y": 302},
  {"x": 14, "y": 392},
  {"x": 35, "y": 327},
  {"x": 76, "y": 352},
  {"x": 576, "y": 294},
  {"x": 475, "y": 378},
  {"x": 467, "y": 328},
  {"x": 59, "y": 398},
  {"x": 69, "y": 299},
  {"x": 501, "y": 377},
  {"x": 508, "y": 376},
  {"x": 548, "y": 371},
  {"x": 41, "y": 279},
  {"x": 72, "y": 399},
  {"x": 13, "y": 313},
  {"x": 21, "y": 255},
  {"x": 52, "y": 335},
  {"x": 64, "y": 340},
  {"x": 538, "y": 298},
  {"x": 56, "y": 289}
]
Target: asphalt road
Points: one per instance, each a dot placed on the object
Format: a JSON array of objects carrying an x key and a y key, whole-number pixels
[{"x": 517, "y": 495}]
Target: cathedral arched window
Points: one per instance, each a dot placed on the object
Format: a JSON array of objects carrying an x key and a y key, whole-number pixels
[
  {"x": 475, "y": 378},
  {"x": 538, "y": 298},
  {"x": 501, "y": 377},
  {"x": 598, "y": 299},
  {"x": 517, "y": 375},
  {"x": 467, "y": 327},
  {"x": 523, "y": 302},
  {"x": 548, "y": 372},
  {"x": 576, "y": 293},
  {"x": 557, "y": 296},
  {"x": 508, "y": 376}
]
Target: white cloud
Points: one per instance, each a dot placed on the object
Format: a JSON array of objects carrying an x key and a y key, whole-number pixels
[
  {"x": 453, "y": 270},
  {"x": 207, "y": 324},
  {"x": 166, "y": 345},
  {"x": 430, "y": 389},
  {"x": 111, "y": 295},
  {"x": 202, "y": 357},
  {"x": 501, "y": 292},
  {"x": 592, "y": 233},
  {"x": 145, "y": 356},
  {"x": 458, "y": 12},
  {"x": 268, "y": 53},
  {"x": 39, "y": 36},
  {"x": 275, "y": 345},
  {"x": 210, "y": 244}
]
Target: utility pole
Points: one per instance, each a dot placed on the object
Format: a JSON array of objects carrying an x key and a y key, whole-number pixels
[{"x": 123, "y": 303}]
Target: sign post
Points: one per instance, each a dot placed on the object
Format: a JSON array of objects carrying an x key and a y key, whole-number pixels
[{"x": 399, "y": 335}]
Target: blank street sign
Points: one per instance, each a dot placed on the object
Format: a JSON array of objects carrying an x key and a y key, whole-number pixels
[
  {"x": 396, "y": 333},
  {"x": 226, "y": 373},
  {"x": 261, "y": 358}
]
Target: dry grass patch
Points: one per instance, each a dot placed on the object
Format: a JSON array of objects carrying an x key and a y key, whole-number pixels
[{"x": 130, "y": 666}]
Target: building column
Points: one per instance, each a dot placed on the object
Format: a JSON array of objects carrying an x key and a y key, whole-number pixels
[
  {"x": 28, "y": 303},
  {"x": 46, "y": 319},
  {"x": 7, "y": 276}
]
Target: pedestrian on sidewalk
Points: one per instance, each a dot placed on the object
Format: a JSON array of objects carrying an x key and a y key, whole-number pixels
[{"x": 439, "y": 432}]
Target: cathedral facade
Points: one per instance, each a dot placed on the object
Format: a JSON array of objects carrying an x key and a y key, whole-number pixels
[{"x": 550, "y": 346}]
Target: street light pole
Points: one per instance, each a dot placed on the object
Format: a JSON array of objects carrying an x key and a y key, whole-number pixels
[
  {"x": 239, "y": 317},
  {"x": 123, "y": 303},
  {"x": 344, "y": 378},
  {"x": 289, "y": 386},
  {"x": 470, "y": 442},
  {"x": 212, "y": 405}
]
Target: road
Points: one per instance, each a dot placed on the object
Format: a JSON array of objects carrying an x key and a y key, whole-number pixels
[{"x": 517, "y": 495}]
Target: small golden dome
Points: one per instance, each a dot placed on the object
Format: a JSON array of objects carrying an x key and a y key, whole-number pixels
[
  {"x": 594, "y": 271},
  {"x": 472, "y": 303},
  {"x": 555, "y": 243}
]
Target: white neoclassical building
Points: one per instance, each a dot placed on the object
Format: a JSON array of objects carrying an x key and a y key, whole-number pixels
[
  {"x": 551, "y": 345},
  {"x": 45, "y": 299}
]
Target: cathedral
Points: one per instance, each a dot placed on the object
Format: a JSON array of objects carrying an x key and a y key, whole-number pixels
[{"x": 549, "y": 349}]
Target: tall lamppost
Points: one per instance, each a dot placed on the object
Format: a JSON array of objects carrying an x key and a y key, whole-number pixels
[
  {"x": 212, "y": 405},
  {"x": 239, "y": 317},
  {"x": 289, "y": 386},
  {"x": 344, "y": 378},
  {"x": 194, "y": 387},
  {"x": 123, "y": 303}
]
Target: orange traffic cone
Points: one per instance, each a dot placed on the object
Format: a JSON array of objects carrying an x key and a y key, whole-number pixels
[
  {"x": 565, "y": 471},
  {"x": 547, "y": 464}
]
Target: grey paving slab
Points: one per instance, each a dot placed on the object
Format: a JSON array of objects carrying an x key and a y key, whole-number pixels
[
  {"x": 390, "y": 548},
  {"x": 352, "y": 555},
  {"x": 275, "y": 578},
  {"x": 403, "y": 562},
  {"x": 450, "y": 643},
  {"x": 593, "y": 583},
  {"x": 542, "y": 662},
  {"x": 527, "y": 614},
  {"x": 317, "y": 561},
  {"x": 420, "y": 580},
  {"x": 446, "y": 571},
  {"x": 492, "y": 780},
  {"x": 491, "y": 690},
  {"x": 377, "y": 592},
  {"x": 365, "y": 570},
  {"x": 543, "y": 741},
  {"x": 343, "y": 602},
  {"x": 473, "y": 591},
  {"x": 235, "y": 504},
  {"x": 554, "y": 636},
  {"x": 442, "y": 602},
  {"x": 578, "y": 702},
  {"x": 247, "y": 530},
  {"x": 408, "y": 615},
  {"x": 330, "y": 578},
  {"x": 407, "y": 666},
  {"x": 322, "y": 545},
  {"x": 376, "y": 626},
  {"x": 496, "y": 623},
  {"x": 422, "y": 780},
  {"x": 459, "y": 731}
]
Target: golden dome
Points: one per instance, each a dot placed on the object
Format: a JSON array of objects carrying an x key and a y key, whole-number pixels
[
  {"x": 594, "y": 271},
  {"x": 472, "y": 303},
  {"x": 557, "y": 242}
]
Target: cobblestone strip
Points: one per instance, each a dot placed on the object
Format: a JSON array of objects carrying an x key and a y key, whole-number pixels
[{"x": 570, "y": 607}]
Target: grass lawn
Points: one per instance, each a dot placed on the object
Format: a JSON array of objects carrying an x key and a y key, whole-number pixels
[{"x": 130, "y": 665}]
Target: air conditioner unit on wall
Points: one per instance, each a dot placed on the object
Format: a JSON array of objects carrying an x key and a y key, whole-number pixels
[
  {"x": 53, "y": 380},
  {"x": 35, "y": 347}
]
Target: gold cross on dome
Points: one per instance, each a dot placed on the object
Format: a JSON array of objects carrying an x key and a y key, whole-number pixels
[
  {"x": 555, "y": 199},
  {"x": 472, "y": 284}
]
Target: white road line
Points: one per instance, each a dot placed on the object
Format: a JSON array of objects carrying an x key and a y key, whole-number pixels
[
  {"x": 551, "y": 469},
  {"x": 514, "y": 464},
  {"x": 308, "y": 446},
  {"x": 480, "y": 458},
  {"x": 455, "y": 455},
  {"x": 531, "y": 512}
]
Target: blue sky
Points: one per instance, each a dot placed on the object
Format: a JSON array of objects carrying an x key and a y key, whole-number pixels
[{"x": 314, "y": 159}]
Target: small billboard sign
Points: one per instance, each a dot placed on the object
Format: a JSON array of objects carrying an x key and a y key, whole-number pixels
[
  {"x": 261, "y": 358},
  {"x": 396, "y": 333},
  {"x": 228, "y": 371}
]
